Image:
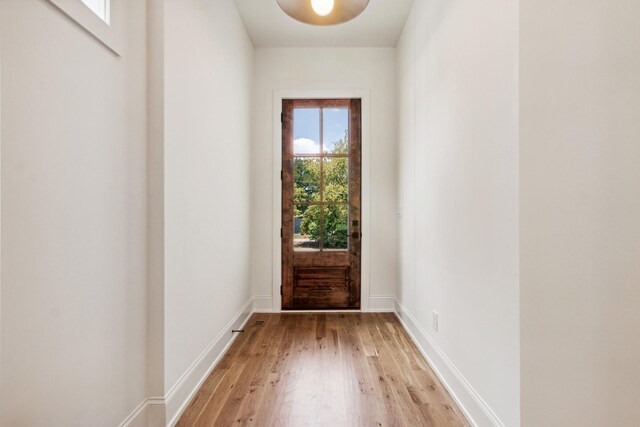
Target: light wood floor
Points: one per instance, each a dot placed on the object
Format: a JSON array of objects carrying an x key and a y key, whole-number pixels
[{"x": 324, "y": 369}]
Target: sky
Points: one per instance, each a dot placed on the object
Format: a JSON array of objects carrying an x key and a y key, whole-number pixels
[{"x": 306, "y": 128}]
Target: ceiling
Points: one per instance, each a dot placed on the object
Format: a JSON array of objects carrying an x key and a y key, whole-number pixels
[{"x": 379, "y": 25}]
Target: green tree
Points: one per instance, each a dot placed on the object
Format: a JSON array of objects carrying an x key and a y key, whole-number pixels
[
  {"x": 306, "y": 174},
  {"x": 336, "y": 189}
]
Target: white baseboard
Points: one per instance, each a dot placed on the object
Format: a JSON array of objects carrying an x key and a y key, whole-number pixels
[
  {"x": 382, "y": 304},
  {"x": 263, "y": 304},
  {"x": 137, "y": 418},
  {"x": 155, "y": 410},
  {"x": 472, "y": 405},
  {"x": 181, "y": 394},
  {"x": 151, "y": 412}
]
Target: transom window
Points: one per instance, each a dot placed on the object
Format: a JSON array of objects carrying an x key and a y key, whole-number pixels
[{"x": 100, "y": 8}]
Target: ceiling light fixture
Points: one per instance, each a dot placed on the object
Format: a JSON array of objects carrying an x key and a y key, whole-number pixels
[
  {"x": 323, "y": 12},
  {"x": 322, "y": 7}
]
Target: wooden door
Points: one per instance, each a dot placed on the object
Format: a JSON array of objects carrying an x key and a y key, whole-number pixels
[{"x": 321, "y": 197}]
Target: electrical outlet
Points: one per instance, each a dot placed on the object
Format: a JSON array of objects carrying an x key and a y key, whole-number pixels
[{"x": 435, "y": 321}]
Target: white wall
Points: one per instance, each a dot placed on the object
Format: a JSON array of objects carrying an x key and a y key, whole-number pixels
[
  {"x": 207, "y": 76},
  {"x": 580, "y": 210},
  {"x": 84, "y": 223},
  {"x": 75, "y": 303},
  {"x": 327, "y": 69},
  {"x": 73, "y": 219},
  {"x": 155, "y": 200},
  {"x": 459, "y": 197}
]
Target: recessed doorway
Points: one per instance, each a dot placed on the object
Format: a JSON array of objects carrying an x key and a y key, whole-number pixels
[{"x": 321, "y": 204}]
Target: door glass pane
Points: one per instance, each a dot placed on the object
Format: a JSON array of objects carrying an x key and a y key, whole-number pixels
[
  {"x": 335, "y": 130},
  {"x": 335, "y": 227},
  {"x": 306, "y": 180},
  {"x": 336, "y": 179},
  {"x": 306, "y": 227},
  {"x": 306, "y": 131}
]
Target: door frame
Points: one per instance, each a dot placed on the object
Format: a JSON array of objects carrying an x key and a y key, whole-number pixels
[{"x": 278, "y": 96}]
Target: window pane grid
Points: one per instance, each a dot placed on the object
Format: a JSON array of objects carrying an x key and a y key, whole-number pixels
[
  {"x": 323, "y": 156},
  {"x": 319, "y": 203},
  {"x": 321, "y": 217}
]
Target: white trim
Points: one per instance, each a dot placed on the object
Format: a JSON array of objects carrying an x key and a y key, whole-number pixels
[
  {"x": 318, "y": 311},
  {"x": 110, "y": 33},
  {"x": 137, "y": 416},
  {"x": 103, "y": 10},
  {"x": 475, "y": 409},
  {"x": 263, "y": 304},
  {"x": 379, "y": 304},
  {"x": 472, "y": 405},
  {"x": 180, "y": 395},
  {"x": 278, "y": 96}
]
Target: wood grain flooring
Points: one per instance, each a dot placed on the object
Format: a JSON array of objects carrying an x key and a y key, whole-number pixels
[{"x": 323, "y": 369}]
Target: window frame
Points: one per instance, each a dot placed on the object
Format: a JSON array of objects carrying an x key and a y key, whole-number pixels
[
  {"x": 106, "y": 5},
  {"x": 109, "y": 33}
]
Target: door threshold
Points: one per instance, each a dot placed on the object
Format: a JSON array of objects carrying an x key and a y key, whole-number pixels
[{"x": 320, "y": 311}]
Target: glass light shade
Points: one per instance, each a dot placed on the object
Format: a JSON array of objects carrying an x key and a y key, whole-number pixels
[
  {"x": 323, "y": 12},
  {"x": 322, "y": 7}
]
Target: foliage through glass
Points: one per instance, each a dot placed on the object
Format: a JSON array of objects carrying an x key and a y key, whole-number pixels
[{"x": 321, "y": 186}]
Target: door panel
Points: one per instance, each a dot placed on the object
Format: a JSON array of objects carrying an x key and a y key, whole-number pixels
[
  {"x": 321, "y": 194},
  {"x": 321, "y": 287}
]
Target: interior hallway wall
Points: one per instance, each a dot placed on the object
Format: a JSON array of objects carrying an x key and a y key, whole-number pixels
[
  {"x": 73, "y": 219},
  {"x": 457, "y": 73},
  {"x": 371, "y": 69},
  {"x": 207, "y": 87},
  {"x": 580, "y": 211}
]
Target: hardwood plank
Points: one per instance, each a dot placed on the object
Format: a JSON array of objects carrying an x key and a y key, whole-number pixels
[
  {"x": 242, "y": 407},
  {"x": 323, "y": 369},
  {"x": 205, "y": 393},
  {"x": 393, "y": 374}
]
